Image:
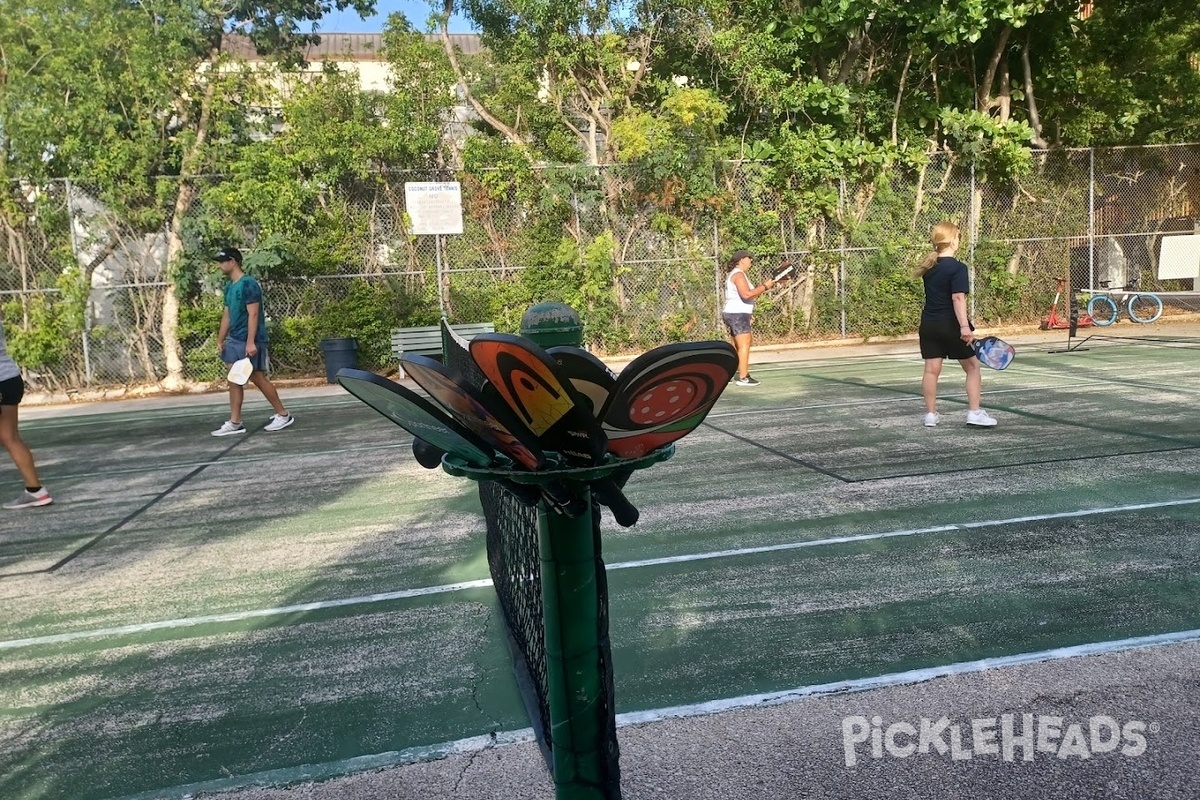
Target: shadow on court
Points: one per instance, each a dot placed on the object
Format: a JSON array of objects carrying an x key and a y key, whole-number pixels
[{"x": 809, "y": 534}]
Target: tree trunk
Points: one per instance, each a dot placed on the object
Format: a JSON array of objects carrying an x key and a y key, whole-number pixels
[
  {"x": 508, "y": 133},
  {"x": 983, "y": 94},
  {"x": 1004, "y": 101},
  {"x": 1035, "y": 119},
  {"x": 193, "y": 158}
]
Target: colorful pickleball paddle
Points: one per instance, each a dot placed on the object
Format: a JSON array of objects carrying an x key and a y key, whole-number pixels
[
  {"x": 994, "y": 352},
  {"x": 664, "y": 394},
  {"x": 528, "y": 379},
  {"x": 465, "y": 406},
  {"x": 418, "y": 416}
]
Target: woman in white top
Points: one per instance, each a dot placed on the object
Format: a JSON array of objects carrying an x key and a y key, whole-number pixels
[
  {"x": 12, "y": 390},
  {"x": 740, "y": 295}
]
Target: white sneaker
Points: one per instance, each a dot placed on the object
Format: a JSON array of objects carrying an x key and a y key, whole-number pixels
[
  {"x": 980, "y": 419},
  {"x": 932, "y": 419},
  {"x": 279, "y": 422},
  {"x": 29, "y": 499},
  {"x": 230, "y": 429}
]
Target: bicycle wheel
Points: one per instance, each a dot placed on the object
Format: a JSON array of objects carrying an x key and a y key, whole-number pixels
[
  {"x": 1102, "y": 310},
  {"x": 1144, "y": 308}
]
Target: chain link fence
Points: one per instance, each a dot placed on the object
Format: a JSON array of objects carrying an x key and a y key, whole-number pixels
[{"x": 83, "y": 286}]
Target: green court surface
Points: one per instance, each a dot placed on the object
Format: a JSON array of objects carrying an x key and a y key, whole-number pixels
[{"x": 198, "y": 613}]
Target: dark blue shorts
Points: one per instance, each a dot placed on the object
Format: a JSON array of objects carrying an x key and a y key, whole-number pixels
[
  {"x": 737, "y": 323},
  {"x": 236, "y": 351}
]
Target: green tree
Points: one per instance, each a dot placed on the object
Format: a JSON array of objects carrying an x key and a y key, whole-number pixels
[{"x": 120, "y": 94}]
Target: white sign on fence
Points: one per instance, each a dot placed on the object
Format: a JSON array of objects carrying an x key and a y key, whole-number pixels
[
  {"x": 434, "y": 208},
  {"x": 1180, "y": 257}
]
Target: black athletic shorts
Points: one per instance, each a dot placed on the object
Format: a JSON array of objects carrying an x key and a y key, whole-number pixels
[
  {"x": 737, "y": 323},
  {"x": 940, "y": 338},
  {"x": 11, "y": 391}
]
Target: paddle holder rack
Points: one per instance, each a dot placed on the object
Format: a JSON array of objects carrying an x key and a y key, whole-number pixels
[{"x": 574, "y": 598}]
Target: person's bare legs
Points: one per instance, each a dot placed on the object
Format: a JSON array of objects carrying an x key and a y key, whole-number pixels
[
  {"x": 269, "y": 391},
  {"x": 16, "y": 447},
  {"x": 974, "y": 382},
  {"x": 742, "y": 343},
  {"x": 236, "y": 395},
  {"x": 929, "y": 383}
]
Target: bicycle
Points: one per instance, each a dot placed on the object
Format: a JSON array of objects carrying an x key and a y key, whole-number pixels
[{"x": 1141, "y": 307}]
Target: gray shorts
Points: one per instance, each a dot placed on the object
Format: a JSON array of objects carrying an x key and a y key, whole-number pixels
[
  {"x": 737, "y": 324},
  {"x": 235, "y": 351}
]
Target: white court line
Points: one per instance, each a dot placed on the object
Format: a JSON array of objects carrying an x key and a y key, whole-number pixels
[
  {"x": 477, "y": 744},
  {"x": 237, "y": 460},
  {"x": 904, "y": 678},
  {"x": 911, "y": 399},
  {"x": 238, "y": 616},
  {"x": 382, "y": 597}
]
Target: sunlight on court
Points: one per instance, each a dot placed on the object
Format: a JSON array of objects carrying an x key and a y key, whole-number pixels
[{"x": 313, "y": 603}]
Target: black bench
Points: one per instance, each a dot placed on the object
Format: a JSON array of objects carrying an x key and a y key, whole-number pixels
[{"x": 427, "y": 341}]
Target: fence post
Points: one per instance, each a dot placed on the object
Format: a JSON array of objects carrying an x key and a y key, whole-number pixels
[
  {"x": 442, "y": 287},
  {"x": 85, "y": 336},
  {"x": 842, "y": 252},
  {"x": 972, "y": 221},
  {"x": 716, "y": 256},
  {"x": 1091, "y": 217}
]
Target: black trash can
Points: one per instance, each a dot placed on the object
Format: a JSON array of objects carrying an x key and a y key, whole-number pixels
[{"x": 339, "y": 354}]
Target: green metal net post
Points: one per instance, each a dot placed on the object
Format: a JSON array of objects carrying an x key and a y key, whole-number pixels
[
  {"x": 575, "y": 622},
  {"x": 572, "y": 598}
]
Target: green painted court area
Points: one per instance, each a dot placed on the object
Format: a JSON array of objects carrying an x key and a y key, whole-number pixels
[{"x": 219, "y": 612}]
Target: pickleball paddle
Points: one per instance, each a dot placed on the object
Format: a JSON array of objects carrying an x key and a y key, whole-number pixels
[
  {"x": 465, "y": 407},
  {"x": 434, "y": 432},
  {"x": 418, "y": 416},
  {"x": 490, "y": 422},
  {"x": 240, "y": 372},
  {"x": 664, "y": 394},
  {"x": 528, "y": 380},
  {"x": 994, "y": 352},
  {"x": 589, "y": 376}
]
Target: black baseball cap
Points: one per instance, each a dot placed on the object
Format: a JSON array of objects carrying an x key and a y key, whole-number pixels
[
  {"x": 229, "y": 254},
  {"x": 738, "y": 255}
]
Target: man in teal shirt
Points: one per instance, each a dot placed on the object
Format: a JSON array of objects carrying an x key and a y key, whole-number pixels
[{"x": 243, "y": 334}]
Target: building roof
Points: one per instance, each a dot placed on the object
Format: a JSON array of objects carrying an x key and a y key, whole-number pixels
[{"x": 349, "y": 46}]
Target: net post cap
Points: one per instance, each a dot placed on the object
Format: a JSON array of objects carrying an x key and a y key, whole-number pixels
[{"x": 551, "y": 324}]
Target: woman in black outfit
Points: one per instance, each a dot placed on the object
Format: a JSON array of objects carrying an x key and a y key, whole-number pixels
[{"x": 945, "y": 331}]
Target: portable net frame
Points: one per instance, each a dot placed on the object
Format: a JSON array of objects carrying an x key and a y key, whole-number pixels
[
  {"x": 1127, "y": 287},
  {"x": 1115, "y": 321},
  {"x": 517, "y": 550}
]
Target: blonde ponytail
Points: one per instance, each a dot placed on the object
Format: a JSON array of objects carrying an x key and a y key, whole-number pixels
[
  {"x": 943, "y": 236},
  {"x": 925, "y": 265}
]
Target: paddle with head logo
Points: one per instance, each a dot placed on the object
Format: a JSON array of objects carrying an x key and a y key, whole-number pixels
[
  {"x": 994, "y": 352},
  {"x": 530, "y": 383},
  {"x": 663, "y": 395},
  {"x": 490, "y": 422}
]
